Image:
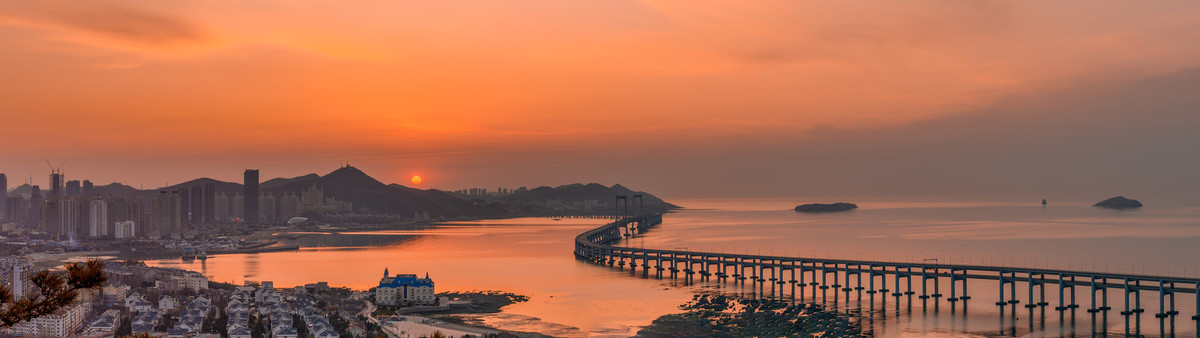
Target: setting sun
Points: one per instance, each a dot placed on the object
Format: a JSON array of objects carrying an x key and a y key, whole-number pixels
[{"x": 416, "y": 179}]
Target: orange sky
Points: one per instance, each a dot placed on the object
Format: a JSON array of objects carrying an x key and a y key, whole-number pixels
[{"x": 158, "y": 91}]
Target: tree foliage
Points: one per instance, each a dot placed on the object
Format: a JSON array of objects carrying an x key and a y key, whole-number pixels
[{"x": 54, "y": 291}]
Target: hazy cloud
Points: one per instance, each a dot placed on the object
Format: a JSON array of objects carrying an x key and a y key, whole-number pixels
[{"x": 116, "y": 20}]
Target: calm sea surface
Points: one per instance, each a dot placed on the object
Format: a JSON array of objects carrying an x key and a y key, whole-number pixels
[{"x": 534, "y": 257}]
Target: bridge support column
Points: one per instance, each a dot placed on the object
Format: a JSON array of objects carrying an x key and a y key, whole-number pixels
[
  {"x": 1042, "y": 290},
  {"x": 1197, "y": 315},
  {"x": 908, "y": 278},
  {"x": 846, "y": 287},
  {"x": 896, "y": 292},
  {"x": 1073, "y": 304},
  {"x": 1093, "y": 309},
  {"x": 824, "y": 272},
  {"x": 1001, "y": 302},
  {"x": 937, "y": 293},
  {"x": 924, "y": 282},
  {"x": 1137, "y": 297},
  {"x": 858, "y": 275},
  {"x": 871, "y": 279},
  {"x": 964, "y": 296},
  {"x": 953, "y": 281},
  {"x": 1162, "y": 300},
  {"x": 1031, "y": 302},
  {"x": 1172, "y": 294},
  {"x": 1012, "y": 289},
  {"x": 1062, "y": 285},
  {"x": 1126, "y": 312},
  {"x": 1104, "y": 295}
]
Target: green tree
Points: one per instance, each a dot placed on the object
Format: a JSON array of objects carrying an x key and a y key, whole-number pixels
[
  {"x": 298, "y": 323},
  {"x": 54, "y": 292},
  {"x": 125, "y": 328}
]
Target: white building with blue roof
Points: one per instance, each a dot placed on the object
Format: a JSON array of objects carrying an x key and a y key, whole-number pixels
[{"x": 404, "y": 289}]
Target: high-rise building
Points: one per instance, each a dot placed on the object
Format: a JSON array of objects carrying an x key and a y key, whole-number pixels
[
  {"x": 35, "y": 205},
  {"x": 74, "y": 188},
  {"x": 210, "y": 201},
  {"x": 88, "y": 188},
  {"x": 15, "y": 209},
  {"x": 289, "y": 206},
  {"x": 51, "y": 216},
  {"x": 73, "y": 217},
  {"x": 4, "y": 197},
  {"x": 124, "y": 229},
  {"x": 221, "y": 208},
  {"x": 168, "y": 213},
  {"x": 124, "y": 208},
  {"x": 250, "y": 191},
  {"x": 14, "y": 273},
  {"x": 185, "y": 201},
  {"x": 197, "y": 208},
  {"x": 266, "y": 203},
  {"x": 98, "y": 219},
  {"x": 239, "y": 207},
  {"x": 56, "y": 182}
]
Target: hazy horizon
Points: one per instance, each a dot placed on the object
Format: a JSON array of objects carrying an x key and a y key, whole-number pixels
[{"x": 776, "y": 99}]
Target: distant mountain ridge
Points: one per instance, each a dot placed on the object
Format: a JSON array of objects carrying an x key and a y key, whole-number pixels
[
  {"x": 592, "y": 191},
  {"x": 349, "y": 184}
]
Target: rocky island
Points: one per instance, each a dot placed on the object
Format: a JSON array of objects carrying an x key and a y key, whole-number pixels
[
  {"x": 825, "y": 207},
  {"x": 1119, "y": 202}
]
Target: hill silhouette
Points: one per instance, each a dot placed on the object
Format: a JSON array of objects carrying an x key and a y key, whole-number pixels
[
  {"x": 592, "y": 191},
  {"x": 349, "y": 184}
]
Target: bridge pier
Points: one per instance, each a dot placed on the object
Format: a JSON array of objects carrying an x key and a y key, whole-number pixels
[
  {"x": 1197, "y": 316},
  {"x": 1061, "y": 294},
  {"x": 1031, "y": 284},
  {"x": 1104, "y": 296},
  {"x": 908, "y": 278},
  {"x": 858, "y": 275},
  {"x": 1012, "y": 288},
  {"x": 953, "y": 281},
  {"x": 965, "y": 296},
  {"x": 824, "y": 272},
  {"x": 1127, "y": 311},
  {"x": 846, "y": 287},
  {"x": 1137, "y": 295},
  {"x": 937, "y": 293},
  {"x": 1042, "y": 290},
  {"x": 1162, "y": 300},
  {"x": 924, "y": 282}
]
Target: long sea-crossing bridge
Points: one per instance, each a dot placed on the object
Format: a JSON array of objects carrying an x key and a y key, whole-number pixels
[{"x": 788, "y": 277}]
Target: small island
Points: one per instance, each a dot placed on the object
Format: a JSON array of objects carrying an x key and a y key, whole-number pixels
[
  {"x": 826, "y": 207},
  {"x": 1119, "y": 202}
]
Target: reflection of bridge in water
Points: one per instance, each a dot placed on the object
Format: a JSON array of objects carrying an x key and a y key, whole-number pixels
[{"x": 789, "y": 277}]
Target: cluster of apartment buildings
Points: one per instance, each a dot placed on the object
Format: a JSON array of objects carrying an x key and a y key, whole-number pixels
[
  {"x": 75, "y": 210},
  {"x": 483, "y": 192},
  {"x": 65, "y": 321}
]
